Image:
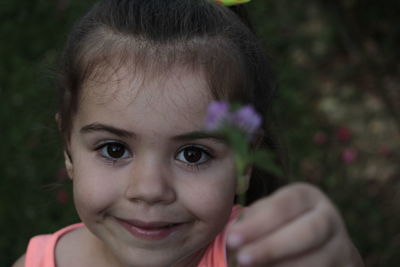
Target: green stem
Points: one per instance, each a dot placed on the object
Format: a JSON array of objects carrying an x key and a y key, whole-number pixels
[
  {"x": 242, "y": 195},
  {"x": 240, "y": 172}
]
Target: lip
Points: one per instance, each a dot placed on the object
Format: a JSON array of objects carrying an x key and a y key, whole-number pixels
[{"x": 156, "y": 230}]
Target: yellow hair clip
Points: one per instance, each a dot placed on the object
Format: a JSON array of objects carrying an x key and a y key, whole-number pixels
[{"x": 231, "y": 2}]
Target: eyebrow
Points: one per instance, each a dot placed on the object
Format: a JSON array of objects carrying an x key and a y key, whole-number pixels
[
  {"x": 195, "y": 135},
  {"x": 200, "y": 135},
  {"x": 98, "y": 127}
]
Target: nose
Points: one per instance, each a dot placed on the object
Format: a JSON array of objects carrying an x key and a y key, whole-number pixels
[{"x": 150, "y": 182}]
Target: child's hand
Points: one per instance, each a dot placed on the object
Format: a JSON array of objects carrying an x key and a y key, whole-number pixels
[{"x": 295, "y": 227}]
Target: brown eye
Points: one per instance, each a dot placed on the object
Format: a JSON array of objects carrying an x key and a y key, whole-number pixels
[
  {"x": 114, "y": 151},
  {"x": 193, "y": 155}
]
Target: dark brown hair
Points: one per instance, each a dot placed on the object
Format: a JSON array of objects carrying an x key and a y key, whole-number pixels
[{"x": 156, "y": 34}]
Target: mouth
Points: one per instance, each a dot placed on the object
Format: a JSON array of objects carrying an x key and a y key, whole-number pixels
[{"x": 156, "y": 230}]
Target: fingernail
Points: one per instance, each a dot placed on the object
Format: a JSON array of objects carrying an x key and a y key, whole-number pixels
[
  {"x": 234, "y": 240},
  {"x": 244, "y": 258}
]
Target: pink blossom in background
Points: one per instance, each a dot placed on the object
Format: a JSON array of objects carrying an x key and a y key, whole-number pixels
[
  {"x": 62, "y": 197},
  {"x": 320, "y": 138},
  {"x": 349, "y": 155},
  {"x": 343, "y": 134},
  {"x": 385, "y": 152}
]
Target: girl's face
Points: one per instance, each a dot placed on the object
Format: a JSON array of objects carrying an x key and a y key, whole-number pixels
[{"x": 149, "y": 182}]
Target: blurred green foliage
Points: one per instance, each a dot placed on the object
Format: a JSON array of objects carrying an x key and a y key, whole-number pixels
[
  {"x": 32, "y": 34},
  {"x": 338, "y": 110}
]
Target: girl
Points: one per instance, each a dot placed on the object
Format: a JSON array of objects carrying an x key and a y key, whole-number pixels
[{"x": 152, "y": 187}]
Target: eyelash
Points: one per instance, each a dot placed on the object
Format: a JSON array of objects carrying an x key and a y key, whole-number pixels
[
  {"x": 205, "y": 153},
  {"x": 102, "y": 150}
]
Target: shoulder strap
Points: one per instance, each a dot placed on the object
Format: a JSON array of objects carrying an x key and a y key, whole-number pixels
[
  {"x": 215, "y": 254},
  {"x": 36, "y": 253},
  {"x": 41, "y": 248}
]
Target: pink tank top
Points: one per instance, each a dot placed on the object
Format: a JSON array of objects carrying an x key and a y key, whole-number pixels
[{"x": 41, "y": 248}]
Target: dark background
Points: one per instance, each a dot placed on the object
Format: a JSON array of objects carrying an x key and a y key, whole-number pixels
[{"x": 339, "y": 111}]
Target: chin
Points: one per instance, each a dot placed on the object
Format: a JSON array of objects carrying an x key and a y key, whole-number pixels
[{"x": 150, "y": 262}]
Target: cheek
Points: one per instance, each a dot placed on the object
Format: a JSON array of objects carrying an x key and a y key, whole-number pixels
[
  {"x": 211, "y": 194},
  {"x": 94, "y": 190}
]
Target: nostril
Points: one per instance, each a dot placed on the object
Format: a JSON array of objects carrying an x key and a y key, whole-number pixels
[
  {"x": 150, "y": 191},
  {"x": 150, "y": 180}
]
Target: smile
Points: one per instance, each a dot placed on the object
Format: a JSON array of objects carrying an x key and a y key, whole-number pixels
[{"x": 150, "y": 230}]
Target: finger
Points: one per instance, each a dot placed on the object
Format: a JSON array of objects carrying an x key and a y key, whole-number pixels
[
  {"x": 308, "y": 232},
  {"x": 332, "y": 254},
  {"x": 269, "y": 214}
]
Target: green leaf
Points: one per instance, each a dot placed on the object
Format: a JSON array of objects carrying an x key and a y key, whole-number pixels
[
  {"x": 266, "y": 161},
  {"x": 237, "y": 139}
]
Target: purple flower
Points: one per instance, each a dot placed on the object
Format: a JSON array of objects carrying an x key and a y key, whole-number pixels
[
  {"x": 247, "y": 119},
  {"x": 220, "y": 115},
  {"x": 218, "y": 112}
]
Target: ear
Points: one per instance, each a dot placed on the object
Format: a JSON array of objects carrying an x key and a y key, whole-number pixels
[
  {"x": 67, "y": 155},
  {"x": 68, "y": 164},
  {"x": 242, "y": 187}
]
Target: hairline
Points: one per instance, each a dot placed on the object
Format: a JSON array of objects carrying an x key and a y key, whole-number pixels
[{"x": 119, "y": 50}]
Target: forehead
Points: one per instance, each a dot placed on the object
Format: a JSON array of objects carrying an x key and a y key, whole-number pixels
[{"x": 178, "y": 96}]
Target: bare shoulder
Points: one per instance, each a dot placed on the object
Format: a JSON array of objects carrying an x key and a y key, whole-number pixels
[
  {"x": 71, "y": 249},
  {"x": 20, "y": 262}
]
